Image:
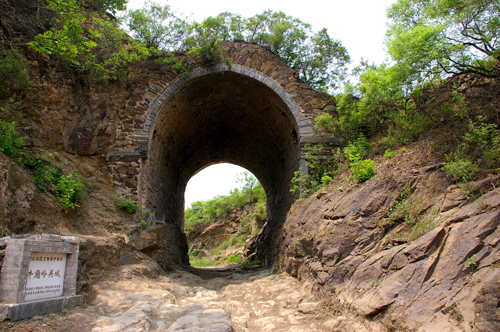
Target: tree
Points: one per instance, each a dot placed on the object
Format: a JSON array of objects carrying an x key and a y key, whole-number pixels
[
  {"x": 89, "y": 40},
  {"x": 438, "y": 38},
  {"x": 317, "y": 58},
  {"x": 249, "y": 183},
  {"x": 157, "y": 26}
]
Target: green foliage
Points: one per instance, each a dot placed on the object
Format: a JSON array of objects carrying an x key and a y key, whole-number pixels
[
  {"x": 320, "y": 174},
  {"x": 115, "y": 53},
  {"x": 317, "y": 58},
  {"x": 69, "y": 190},
  {"x": 13, "y": 73},
  {"x": 176, "y": 63},
  {"x": 127, "y": 204},
  {"x": 157, "y": 26},
  {"x": 482, "y": 140},
  {"x": 461, "y": 169},
  {"x": 89, "y": 40},
  {"x": 142, "y": 224},
  {"x": 423, "y": 225},
  {"x": 325, "y": 122},
  {"x": 358, "y": 149},
  {"x": 405, "y": 126},
  {"x": 441, "y": 37},
  {"x": 250, "y": 263},
  {"x": 409, "y": 211},
  {"x": 389, "y": 154},
  {"x": 355, "y": 152},
  {"x": 363, "y": 170},
  {"x": 201, "y": 213},
  {"x": 230, "y": 259},
  {"x": 10, "y": 141},
  {"x": 472, "y": 262},
  {"x": 232, "y": 241},
  {"x": 205, "y": 38}
]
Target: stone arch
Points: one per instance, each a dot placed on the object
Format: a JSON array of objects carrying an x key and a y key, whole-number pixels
[
  {"x": 304, "y": 125},
  {"x": 222, "y": 114}
]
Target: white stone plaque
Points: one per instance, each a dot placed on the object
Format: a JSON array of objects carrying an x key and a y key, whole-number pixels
[{"x": 45, "y": 276}]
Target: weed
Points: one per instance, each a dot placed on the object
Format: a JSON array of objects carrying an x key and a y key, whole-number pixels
[
  {"x": 423, "y": 225},
  {"x": 69, "y": 190},
  {"x": 13, "y": 73},
  {"x": 230, "y": 259},
  {"x": 10, "y": 141},
  {"x": 143, "y": 224},
  {"x": 389, "y": 154},
  {"x": 127, "y": 204},
  {"x": 250, "y": 263},
  {"x": 462, "y": 170},
  {"x": 472, "y": 262},
  {"x": 468, "y": 189},
  {"x": 363, "y": 170},
  {"x": 324, "y": 122}
]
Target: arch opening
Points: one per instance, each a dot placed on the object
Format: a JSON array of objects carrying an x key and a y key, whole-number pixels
[{"x": 222, "y": 117}]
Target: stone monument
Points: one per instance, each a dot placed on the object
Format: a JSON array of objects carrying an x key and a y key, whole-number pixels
[{"x": 38, "y": 276}]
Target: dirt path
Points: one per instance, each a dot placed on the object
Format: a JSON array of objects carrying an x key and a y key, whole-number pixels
[{"x": 214, "y": 300}]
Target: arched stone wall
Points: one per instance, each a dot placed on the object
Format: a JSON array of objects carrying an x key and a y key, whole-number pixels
[
  {"x": 253, "y": 113},
  {"x": 222, "y": 114}
]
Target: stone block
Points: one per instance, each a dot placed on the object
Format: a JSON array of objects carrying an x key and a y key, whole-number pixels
[{"x": 39, "y": 308}]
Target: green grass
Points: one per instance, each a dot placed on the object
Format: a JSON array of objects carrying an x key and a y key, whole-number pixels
[{"x": 226, "y": 260}]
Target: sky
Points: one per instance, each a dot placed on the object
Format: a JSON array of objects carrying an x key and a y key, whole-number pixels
[{"x": 359, "y": 24}]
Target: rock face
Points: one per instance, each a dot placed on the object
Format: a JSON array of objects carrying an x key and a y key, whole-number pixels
[{"x": 444, "y": 280}]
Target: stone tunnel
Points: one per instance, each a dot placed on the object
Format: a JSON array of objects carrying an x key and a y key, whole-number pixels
[{"x": 241, "y": 114}]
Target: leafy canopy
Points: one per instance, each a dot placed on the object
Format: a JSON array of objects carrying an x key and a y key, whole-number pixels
[
  {"x": 89, "y": 40},
  {"x": 318, "y": 59},
  {"x": 436, "y": 38},
  {"x": 156, "y": 26}
]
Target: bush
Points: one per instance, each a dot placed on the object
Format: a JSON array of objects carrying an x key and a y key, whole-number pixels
[
  {"x": 13, "y": 73},
  {"x": 363, "y": 170},
  {"x": 358, "y": 149},
  {"x": 482, "y": 140},
  {"x": 320, "y": 174},
  {"x": 69, "y": 190},
  {"x": 325, "y": 122},
  {"x": 389, "y": 154},
  {"x": 10, "y": 141},
  {"x": 127, "y": 204},
  {"x": 462, "y": 170}
]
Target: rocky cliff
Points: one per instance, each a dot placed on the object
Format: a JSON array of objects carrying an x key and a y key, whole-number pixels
[{"x": 433, "y": 267}]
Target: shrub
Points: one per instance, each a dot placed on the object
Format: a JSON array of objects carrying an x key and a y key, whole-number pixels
[
  {"x": 462, "y": 170},
  {"x": 320, "y": 174},
  {"x": 201, "y": 213},
  {"x": 358, "y": 149},
  {"x": 10, "y": 141},
  {"x": 13, "y": 73},
  {"x": 483, "y": 140},
  {"x": 69, "y": 190},
  {"x": 143, "y": 224},
  {"x": 363, "y": 170},
  {"x": 389, "y": 154},
  {"x": 325, "y": 122},
  {"x": 127, "y": 204}
]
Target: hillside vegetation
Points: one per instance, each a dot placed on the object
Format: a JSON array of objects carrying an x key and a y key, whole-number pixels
[{"x": 218, "y": 228}]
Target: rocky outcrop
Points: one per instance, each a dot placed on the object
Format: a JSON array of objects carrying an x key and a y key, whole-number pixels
[{"x": 444, "y": 280}]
